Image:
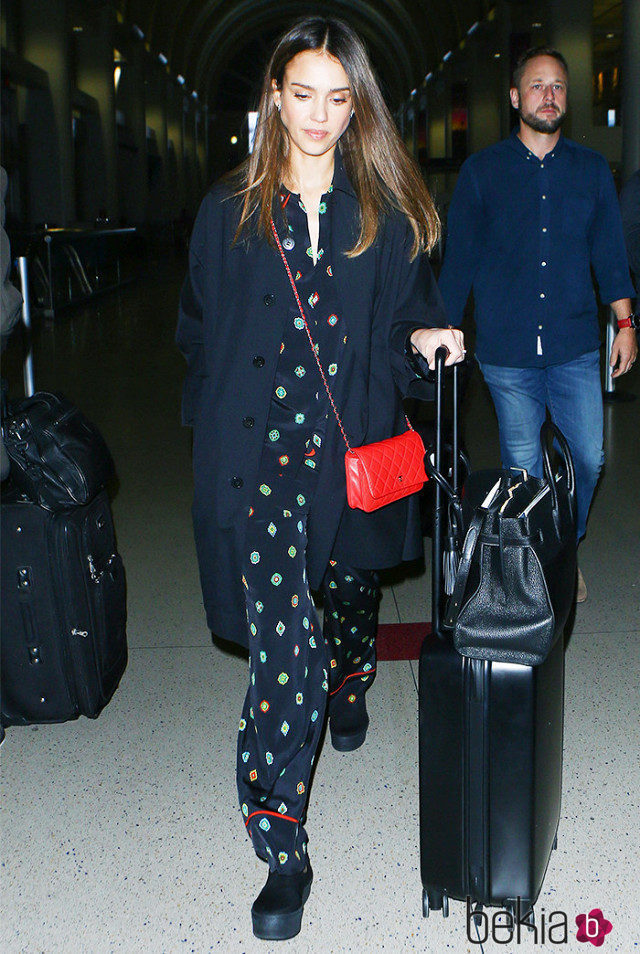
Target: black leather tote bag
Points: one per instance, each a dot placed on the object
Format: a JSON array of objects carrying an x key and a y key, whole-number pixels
[
  {"x": 58, "y": 458},
  {"x": 515, "y": 583}
]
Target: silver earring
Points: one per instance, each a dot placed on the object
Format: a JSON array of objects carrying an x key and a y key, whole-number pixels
[
  {"x": 278, "y": 106},
  {"x": 352, "y": 114}
]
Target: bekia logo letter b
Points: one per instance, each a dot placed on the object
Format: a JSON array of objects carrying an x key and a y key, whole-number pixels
[{"x": 593, "y": 927}]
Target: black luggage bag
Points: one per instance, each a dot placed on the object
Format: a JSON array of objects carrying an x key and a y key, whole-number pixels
[
  {"x": 490, "y": 738},
  {"x": 63, "y": 611}
]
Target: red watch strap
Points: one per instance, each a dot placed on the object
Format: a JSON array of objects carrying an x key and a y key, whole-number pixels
[{"x": 624, "y": 322}]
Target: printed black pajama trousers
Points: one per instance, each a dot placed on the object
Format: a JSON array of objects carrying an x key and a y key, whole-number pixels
[{"x": 293, "y": 667}]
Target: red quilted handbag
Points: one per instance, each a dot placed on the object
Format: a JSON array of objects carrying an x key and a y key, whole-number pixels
[{"x": 379, "y": 473}]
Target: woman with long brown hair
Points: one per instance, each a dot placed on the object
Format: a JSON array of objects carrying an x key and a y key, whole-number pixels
[{"x": 308, "y": 293}]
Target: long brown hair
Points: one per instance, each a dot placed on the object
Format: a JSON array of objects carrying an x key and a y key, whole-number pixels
[{"x": 382, "y": 172}]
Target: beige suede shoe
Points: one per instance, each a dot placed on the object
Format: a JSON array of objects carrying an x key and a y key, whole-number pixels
[{"x": 581, "y": 589}]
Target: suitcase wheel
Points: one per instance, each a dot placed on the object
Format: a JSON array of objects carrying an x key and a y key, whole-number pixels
[
  {"x": 527, "y": 914},
  {"x": 425, "y": 903},
  {"x": 434, "y": 900},
  {"x": 476, "y": 917}
]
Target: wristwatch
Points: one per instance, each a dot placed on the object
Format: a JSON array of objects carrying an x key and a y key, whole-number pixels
[{"x": 633, "y": 321}]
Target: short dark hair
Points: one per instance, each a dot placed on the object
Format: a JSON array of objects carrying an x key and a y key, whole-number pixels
[{"x": 531, "y": 54}]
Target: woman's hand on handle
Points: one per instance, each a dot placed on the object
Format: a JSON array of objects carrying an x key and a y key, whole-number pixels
[{"x": 428, "y": 340}]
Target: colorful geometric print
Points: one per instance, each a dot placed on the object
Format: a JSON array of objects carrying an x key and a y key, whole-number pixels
[
  {"x": 289, "y": 681},
  {"x": 292, "y": 682},
  {"x": 281, "y": 684}
]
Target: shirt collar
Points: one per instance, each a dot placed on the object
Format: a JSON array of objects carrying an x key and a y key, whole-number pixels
[
  {"x": 517, "y": 143},
  {"x": 340, "y": 181}
]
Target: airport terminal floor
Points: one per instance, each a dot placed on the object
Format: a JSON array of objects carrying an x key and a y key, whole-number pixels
[{"x": 123, "y": 834}]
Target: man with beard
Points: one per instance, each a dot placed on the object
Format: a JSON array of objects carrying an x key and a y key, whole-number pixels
[{"x": 529, "y": 219}]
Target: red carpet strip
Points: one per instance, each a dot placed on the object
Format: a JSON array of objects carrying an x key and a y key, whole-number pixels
[{"x": 400, "y": 640}]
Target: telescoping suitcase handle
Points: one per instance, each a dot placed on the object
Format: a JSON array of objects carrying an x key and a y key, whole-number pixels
[
  {"x": 446, "y": 490},
  {"x": 440, "y": 511}
]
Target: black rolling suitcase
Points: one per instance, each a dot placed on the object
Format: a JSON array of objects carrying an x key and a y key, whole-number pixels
[
  {"x": 63, "y": 617},
  {"x": 64, "y": 643},
  {"x": 490, "y": 738}
]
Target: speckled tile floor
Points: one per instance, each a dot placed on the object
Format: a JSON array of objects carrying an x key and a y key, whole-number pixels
[{"x": 123, "y": 835}]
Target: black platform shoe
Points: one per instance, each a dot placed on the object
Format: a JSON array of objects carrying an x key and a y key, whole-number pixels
[
  {"x": 348, "y": 723},
  {"x": 277, "y": 911}
]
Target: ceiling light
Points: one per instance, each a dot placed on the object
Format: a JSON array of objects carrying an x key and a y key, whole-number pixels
[
  {"x": 447, "y": 56},
  {"x": 180, "y": 79},
  {"x": 138, "y": 32},
  {"x": 473, "y": 28},
  {"x": 163, "y": 59},
  {"x": 234, "y": 140}
]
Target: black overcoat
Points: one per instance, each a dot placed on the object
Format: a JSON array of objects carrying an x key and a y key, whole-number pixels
[{"x": 233, "y": 307}]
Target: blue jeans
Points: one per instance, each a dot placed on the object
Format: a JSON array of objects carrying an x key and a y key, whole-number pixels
[{"x": 573, "y": 394}]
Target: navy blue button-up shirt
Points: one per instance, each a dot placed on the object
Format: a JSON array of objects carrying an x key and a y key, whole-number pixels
[{"x": 524, "y": 234}]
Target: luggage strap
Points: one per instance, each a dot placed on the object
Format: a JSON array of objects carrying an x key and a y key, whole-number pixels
[
  {"x": 470, "y": 543},
  {"x": 25, "y": 601}
]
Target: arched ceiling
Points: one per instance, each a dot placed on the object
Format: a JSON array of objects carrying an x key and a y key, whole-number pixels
[{"x": 221, "y": 46}]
